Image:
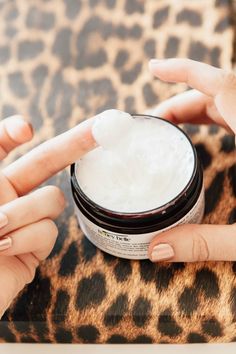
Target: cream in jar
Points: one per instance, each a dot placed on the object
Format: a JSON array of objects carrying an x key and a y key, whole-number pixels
[{"x": 143, "y": 178}]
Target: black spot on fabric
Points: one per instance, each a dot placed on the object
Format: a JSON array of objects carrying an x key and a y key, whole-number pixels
[
  {"x": 4, "y": 54},
  {"x": 59, "y": 102},
  {"x": 93, "y": 3},
  {"x": 212, "y": 327},
  {"x": 234, "y": 267},
  {"x": 142, "y": 339},
  {"x": 160, "y": 16},
  {"x": 188, "y": 301},
  {"x": 223, "y": 24},
  {"x": 232, "y": 216},
  {"x": 10, "y": 31},
  {"x": 191, "y": 129},
  {"x": 215, "y": 54},
  {"x": 12, "y": 14},
  {"x": 117, "y": 339},
  {"x": 108, "y": 258},
  {"x": 8, "y": 110},
  {"x": 35, "y": 112},
  {"x": 70, "y": 260},
  {"x": 27, "y": 338},
  {"x": 61, "y": 47},
  {"x": 121, "y": 31},
  {"x": 129, "y": 76},
  {"x": 41, "y": 331},
  {"x": 90, "y": 55},
  {"x": 39, "y": 75},
  {"x": 121, "y": 58},
  {"x": 204, "y": 155},
  {"x": 147, "y": 270},
  {"x": 116, "y": 311},
  {"x": 130, "y": 104},
  {"x": 122, "y": 270},
  {"x": 32, "y": 305},
  {"x": 88, "y": 333},
  {"x": 232, "y": 178},
  {"x": 60, "y": 308},
  {"x": 29, "y": 49},
  {"x": 110, "y": 3},
  {"x": 5, "y": 333},
  {"x": 150, "y": 48},
  {"x": 228, "y": 143},
  {"x": 149, "y": 95},
  {"x": 22, "y": 326},
  {"x": 91, "y": 291},
  {"x": 72, "y": 8},
  {"x": 192, "y": 17},
  {"x": 233, "y": 302},
  {"x": 164, "y": 275},
  {"x": 194, "y": 337},
  {"x": 207, "y": 282},
  {"x": 39, "y": 19},
  {"x": 214, "y": 192},
  {"x": 197, "y": 51},
  {"x": 88, "y": 249},
  {"x": 219, "y": 3},
  {"x": 167, "y": 324},
  {"x": 213, "y": 129},
  {"x": 135, "y": 31},
  {"x": 141, "y": 311},
  {"x": 100, "y": 91},
  {"x": 63, "y": 335},
  {"x": 132, "y": 6},
  {"x": 172, "y": 47},
  {"x": 17, "y": 84}
]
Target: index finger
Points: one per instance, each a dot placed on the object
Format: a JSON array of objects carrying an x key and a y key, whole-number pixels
[
  {"x": 45, "y": 160},
  {"x": 200, "y": 76}
]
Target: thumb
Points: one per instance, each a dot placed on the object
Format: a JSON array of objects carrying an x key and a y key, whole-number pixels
[{"x": 192, "y": 243}]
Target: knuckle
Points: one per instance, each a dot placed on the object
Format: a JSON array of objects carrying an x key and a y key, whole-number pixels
[
  {"x": 200, "y": 249},
  {"x": 56, "y": 193},
  {"x": 51, "y": 228}
]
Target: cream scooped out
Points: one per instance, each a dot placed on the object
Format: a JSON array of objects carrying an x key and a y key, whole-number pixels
[{"x": 143, "y": 178}]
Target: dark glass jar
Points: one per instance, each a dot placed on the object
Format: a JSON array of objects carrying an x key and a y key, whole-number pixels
[{"x": 128, "y": 235}]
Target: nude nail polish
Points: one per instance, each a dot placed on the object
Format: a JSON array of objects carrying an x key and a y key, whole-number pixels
[
  {"x": 162, "y": 252},
  {"x": 3, "y": 219},
  {"x": 5, "y": 243}
]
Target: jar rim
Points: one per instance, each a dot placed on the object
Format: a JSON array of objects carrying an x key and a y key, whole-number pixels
[{"x": 159, "y": 210}]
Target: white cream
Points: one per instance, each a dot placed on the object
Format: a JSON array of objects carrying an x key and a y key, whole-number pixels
[{"x": 141, "y": 164}]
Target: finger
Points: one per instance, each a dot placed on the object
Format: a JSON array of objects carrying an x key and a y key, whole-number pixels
[
  {"x": 14, "y": 131},
  {"x": 46, "y": 202},
  {"x": 50, "y": 157},
  {"x": 203, "y": 77},
  {"x": 191, "y": 243},
  {"x": 37, "y": 238},
  {"x": 214, "y": 82},
  {"x": 189, "y": 106}
]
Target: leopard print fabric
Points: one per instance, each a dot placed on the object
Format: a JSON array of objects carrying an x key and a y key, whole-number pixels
[{"x": 62, "y": 61}]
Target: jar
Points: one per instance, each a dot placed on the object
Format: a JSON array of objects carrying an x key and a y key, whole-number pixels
[{"x": 128, "y": 235}]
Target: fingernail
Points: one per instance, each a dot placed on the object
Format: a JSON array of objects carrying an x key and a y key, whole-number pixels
[
  {"x": 3, "y": 220},
  {"x": 153, "y": 63},
  {"x": 161, "y": 252},
  {"x": 5, "y": 243},
  {"x": 18, "y": 129}
]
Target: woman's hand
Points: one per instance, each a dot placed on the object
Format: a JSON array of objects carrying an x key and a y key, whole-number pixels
[
  {"x": 27, "y": 230},
  {"x": 214, "y": 102}
]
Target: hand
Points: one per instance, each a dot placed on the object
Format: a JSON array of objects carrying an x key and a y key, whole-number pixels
[
  {"x": 214, "y": 103},
  {"x": 27, "y": 230}
]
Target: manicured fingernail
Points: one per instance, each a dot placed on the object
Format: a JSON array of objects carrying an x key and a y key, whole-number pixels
[
  {"x": 18, "y": 129},
  {"x": 5, "y": 243},
  {"x": 153, "y": 63},
  {"x": 162, "y": 252},
  {"x": 3, "y": 220}
]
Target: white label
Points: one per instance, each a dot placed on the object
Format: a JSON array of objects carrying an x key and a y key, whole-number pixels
[{"x": 133, "y": 246}]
